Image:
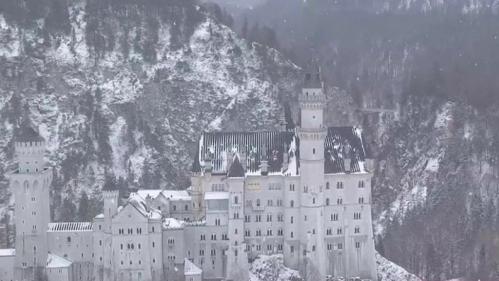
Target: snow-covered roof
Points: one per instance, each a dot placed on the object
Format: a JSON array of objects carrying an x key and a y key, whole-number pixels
[
  {"x": 7, "y": 252},
  {"x": 178, "y": 195},
  {"x": 54, "y": 261},
  {"x": 139, "y": 203},
  {"x": 99, "y": 216},
  {"x": 69, "y": 226},
  {"x": 191, "y": 269},
  {"x": 171, "y": 223},
  {"x": 216, "y": 195},
  {"x": 281, "y": 150}
]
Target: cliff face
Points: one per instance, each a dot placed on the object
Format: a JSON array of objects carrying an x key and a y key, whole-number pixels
[{"x": 121, "y": 90}]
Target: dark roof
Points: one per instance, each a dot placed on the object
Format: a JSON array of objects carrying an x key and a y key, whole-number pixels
[
  {"x": 253, "y": 147},
  {"x": 26, "y": 133},
  {"x": 236, "y": 170},
  {"x": 341, "y": 143},
  {"x": 313, "y": 77},
  {"x": 196, "y": 167}
]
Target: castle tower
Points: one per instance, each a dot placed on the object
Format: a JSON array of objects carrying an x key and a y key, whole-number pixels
[
  {"x": 237, "y": 267},
  {"x": 312, "y": 135},
  {"x": 30, "y": 184}
]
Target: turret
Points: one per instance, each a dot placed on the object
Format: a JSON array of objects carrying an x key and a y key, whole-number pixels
[
  {"x": 30, "y": 183},
  {"x": 111, "y": 203}
]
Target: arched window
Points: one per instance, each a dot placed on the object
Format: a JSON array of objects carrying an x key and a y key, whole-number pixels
[
  {"x": 292, "y": 203},
  {"x": 313, "y": 151}
]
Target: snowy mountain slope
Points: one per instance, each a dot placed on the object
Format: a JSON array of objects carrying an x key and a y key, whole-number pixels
[
  {"x": 120, "y": 103},
  {"x": 389, "y": 271}
]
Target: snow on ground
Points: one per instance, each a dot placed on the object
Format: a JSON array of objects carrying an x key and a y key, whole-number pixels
[
  {"x": 8, "y": 47},
  {"x": 271, "y": 268},
  {"x": 389, "y": 271}
]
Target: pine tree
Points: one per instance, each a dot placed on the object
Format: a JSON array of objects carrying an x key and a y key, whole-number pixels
[{"x": 83, "y": 208}]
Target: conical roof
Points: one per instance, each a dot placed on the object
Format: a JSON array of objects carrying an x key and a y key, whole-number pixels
[{"x": 236, "y": 169}]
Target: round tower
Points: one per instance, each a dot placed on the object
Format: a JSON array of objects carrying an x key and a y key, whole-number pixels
[{"x": 30, "y": 184}]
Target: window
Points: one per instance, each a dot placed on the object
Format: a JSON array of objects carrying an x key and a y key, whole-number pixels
[
  {"x": 291, "y": 187},
  {"x": 313, "y": 200},
  {"x": 329, "y": 231},
  {"x": 357, "y": 229},
  {"x": 292, "y": 219},
  {"x": 269, "y": 247},
  {"x": 356, "y": 216},
  {"x": 339, "y": 231},
  {"x": 339, "y": 185},
  {"x": 357, "y": 245},
  {"x": 258, "y": 202},
  {"x": 269, "y": 217},
  {"x": 270, "y": 203},
  {"x": 201, "y": 253},
  {"x": 153, "y": 244},
  {"x": 236, "y": 200},
  {"x": 339, "y": 201},
  {"x": 327, "y": 201},
  {"x": 305, "y": 218},
  {"x": 186, "y": 207},
  {"x": 258, "y": 232},
  {"x": 292, "y": 249},
  {"x": 269, "y": 232},
  {"x": 327, "y": 185},
  {"x": 280, "y": 232},
  {"x": 292, "y": 203},
  {"x": 247, "y": 233},
  {"x": 334, "y": 217},
  {"x": 213, "y": 237},
  {"x": 329, "y": 247},
  {"x": 258, "y": 218},
  {"x": 339, "y": 246},
  {"x": 292, "y": 234},
  {"x": 305, "y": 189},
  {"x": 174, "y": 207},
  {"x": 213, "y": 252},
  {"x": 203, "y": 237},
  {"x": 247, "y": 218},
  {"x": 279, "y": 203},
  {"x": 280, "y": 217},
  {"x": 361, "y": 200},
  {"x": 68, "y": 239},
  {"x": 313, "y": 150},
  {"x": 361, "y": 184}
]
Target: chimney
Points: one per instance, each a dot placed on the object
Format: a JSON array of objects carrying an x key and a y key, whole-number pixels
[
  {"x": 369, "y": 165},
  {"x": 264, "y": 166},
  {"x": 208, "y": 167},
  {"x": 230, "y": 157},
  {"x": 242, "y": 158},
  {"x": 347, "y": 158},
  {"x": 285, "y": 158}
]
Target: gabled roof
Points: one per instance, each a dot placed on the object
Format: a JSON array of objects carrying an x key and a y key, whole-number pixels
[
  {"x": 54, "y": 261},
  {"x": 252, "y": 147},
  {"x": 191, "y": 269}
]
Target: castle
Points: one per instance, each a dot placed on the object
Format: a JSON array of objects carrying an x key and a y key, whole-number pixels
[{"x": 304, "y": 193}]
